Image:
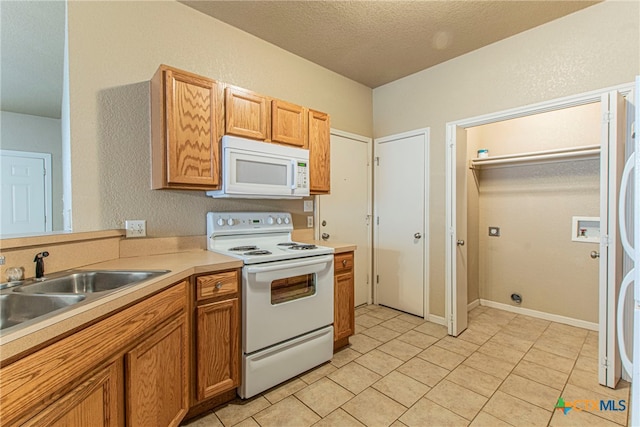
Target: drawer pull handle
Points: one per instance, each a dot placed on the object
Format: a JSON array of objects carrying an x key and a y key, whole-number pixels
[
  {"x": 218, "y": 285},
  {"x": 344, "y": 262}
]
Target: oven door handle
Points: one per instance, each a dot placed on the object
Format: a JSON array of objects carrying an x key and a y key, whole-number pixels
[{"x": 290, "y": 264}]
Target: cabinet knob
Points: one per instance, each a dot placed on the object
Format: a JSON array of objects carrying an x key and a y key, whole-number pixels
[
  {"x": 218, "y": 285},
  {"x": 344, "y": 262}
]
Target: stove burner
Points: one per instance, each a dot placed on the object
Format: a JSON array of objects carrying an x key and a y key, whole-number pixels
[
  {"x": 287, "y": 244},
  {"x": 244, "y": 248},
  {"x": 258, "y": 252},
  {"x": 301, "y": 247}
]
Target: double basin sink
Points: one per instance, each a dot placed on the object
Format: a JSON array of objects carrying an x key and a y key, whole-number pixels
[{"x": 30, "y": 301}]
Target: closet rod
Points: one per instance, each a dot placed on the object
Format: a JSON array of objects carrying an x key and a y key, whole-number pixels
[{"x": 547, "y": 155}]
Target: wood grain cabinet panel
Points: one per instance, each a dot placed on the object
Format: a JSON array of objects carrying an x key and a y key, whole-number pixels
[
  {"x": 319, "y": 153},
  {"x": 288, "y": 124},
  {"x": 184, "y": 131},
  {"x": 157, "y": 377},
  {"x": 343, "y": 300},
  {"x": 218, "y": 350},
  {"x": 96, "y": 402},
  {"x": 246, "y": 113}
]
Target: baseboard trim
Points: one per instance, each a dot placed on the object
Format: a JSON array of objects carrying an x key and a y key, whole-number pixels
[
  {"x": 436, "y": 319},
  {"x": 473, "y": 304},
  {"x": 541, "y": 315}
]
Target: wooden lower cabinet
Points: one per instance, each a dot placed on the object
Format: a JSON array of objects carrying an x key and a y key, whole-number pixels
[
  {"x": 217, "y": 348},
  {"x": 216, "y": 359},
  {"x": 343, "y": 300},
  {"x": 97, "y": 401},
  {"x": 157, "y": 390},
  {"x": 80, "y": 380}
]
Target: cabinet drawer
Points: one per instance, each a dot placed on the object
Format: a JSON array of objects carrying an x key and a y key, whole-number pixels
[
  {"x": 343, "y": 262},
  {"x": 214, "y": 285}
]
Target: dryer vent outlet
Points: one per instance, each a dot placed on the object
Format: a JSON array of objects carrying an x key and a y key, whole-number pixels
[{"x": 517, "y": 298}]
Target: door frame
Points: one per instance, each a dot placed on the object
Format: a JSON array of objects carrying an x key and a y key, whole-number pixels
[
  {"x": 46, "y": 158},
  {"x": 528, "y": 110},
  {"x": 425, "y": 226},
  {"x": 316, "y": 213}
]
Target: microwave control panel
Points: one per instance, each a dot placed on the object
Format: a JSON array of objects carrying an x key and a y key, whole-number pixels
[{"x": 302, "y": 179}]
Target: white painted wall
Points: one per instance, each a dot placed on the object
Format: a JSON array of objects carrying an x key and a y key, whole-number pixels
[
  {"x": 591, "y": 49},
  {"x": 114, "y": 50}
]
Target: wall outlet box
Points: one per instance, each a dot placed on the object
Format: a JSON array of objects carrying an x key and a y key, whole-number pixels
[
  {"x": 308, "y": 205},
  {"x": 309, "y": 222},
  {"x": 136, "y": 228}
]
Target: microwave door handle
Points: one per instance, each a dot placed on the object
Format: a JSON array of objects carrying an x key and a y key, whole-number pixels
[{"x": 294, "y": 171}]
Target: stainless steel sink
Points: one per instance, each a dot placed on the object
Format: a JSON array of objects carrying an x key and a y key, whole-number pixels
[
  {"x": 29, "y": 301},
  {"x": 85, "y": 282},
  {"x": 18, "y": 308}
]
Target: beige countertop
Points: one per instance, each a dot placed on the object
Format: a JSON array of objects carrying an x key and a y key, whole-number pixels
[{"x": 181, "y": 266}]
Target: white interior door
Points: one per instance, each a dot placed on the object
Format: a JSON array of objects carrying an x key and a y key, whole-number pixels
[
  {"x": 400, "y": 221},
  {"x": 457, "y": 295},
  {"x": 26, "y": 192},
  {"x": 345, "y": 214},
  {"x": 611, "y": 254}
]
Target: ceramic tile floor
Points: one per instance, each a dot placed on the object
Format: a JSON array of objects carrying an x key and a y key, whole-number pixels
[{"x": 399, "y": 370}]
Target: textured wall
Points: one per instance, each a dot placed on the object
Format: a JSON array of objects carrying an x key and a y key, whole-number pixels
[
  {"x": 23, "y": 132},
  {"x": 590, "y": 49},
  {"x": 533, "y": 205},
  {"x": 114, "y": 50}
]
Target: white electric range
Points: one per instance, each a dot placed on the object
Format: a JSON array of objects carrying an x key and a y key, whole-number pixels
[{"x": 287, "y": 296}]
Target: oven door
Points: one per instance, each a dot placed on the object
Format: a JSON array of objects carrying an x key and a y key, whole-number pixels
[{"x": 285, "y": 299}]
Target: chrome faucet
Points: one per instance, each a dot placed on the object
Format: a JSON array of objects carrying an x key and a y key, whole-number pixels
[{"x": 39, "y": 260}]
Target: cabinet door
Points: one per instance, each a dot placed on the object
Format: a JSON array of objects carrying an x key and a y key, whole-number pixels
[
  {"x": 97, "y": 401},
  {"x": 288, "y": 124},
  {"x": 218, "y": 351},
  {"x": 192, "y": 145},
  {"x": 343, "y": 309},
  {"x": 246, "y": 113},
  {"x": 156, "y": 377},
  {"x": 319, "y": 153}
]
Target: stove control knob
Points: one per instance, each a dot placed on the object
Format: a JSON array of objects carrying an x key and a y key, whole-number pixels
[
  {"x": 221, "y": 222},
  {"x": 270, "y": 221},
  {"x": 230, "y": 221},
  {"x": 279, "y": 220},
  {"x": 286, "y": 220}
]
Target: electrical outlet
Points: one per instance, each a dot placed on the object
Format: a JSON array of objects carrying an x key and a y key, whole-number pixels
[
  {"x": 136, "y": 228},
  {"x": 309, "y": 222},
  {"x": 308, "y": 205}
]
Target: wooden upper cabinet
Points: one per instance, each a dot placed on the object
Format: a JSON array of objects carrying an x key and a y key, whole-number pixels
[
  {"x": 319, "y": 152},
  {"x": 184, "y": 131},
  {"x": 246, "y": 113},
  {"x": 288, "y": 124}
]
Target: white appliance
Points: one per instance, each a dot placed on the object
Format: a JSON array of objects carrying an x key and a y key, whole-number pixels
[
  {"x": 261, "y": 170},
  {"x": 631, "y": 365},
  {"x": 287, "y": 296}
]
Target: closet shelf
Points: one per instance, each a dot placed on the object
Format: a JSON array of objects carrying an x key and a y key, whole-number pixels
[{"x": 546, "y": 156}]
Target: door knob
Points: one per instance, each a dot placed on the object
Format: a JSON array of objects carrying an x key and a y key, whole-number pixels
[
  {"x": 417, "y": 236},
  {"x": 325, "y": 236},
  {"x": 594, "y": 254},
  {"x": 460, "y": 242}
]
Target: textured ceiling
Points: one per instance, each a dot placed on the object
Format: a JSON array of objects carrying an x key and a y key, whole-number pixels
[{"x": 376, "y": 42}]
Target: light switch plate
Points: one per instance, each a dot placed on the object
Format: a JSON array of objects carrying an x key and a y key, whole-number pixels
[{"x": 308, "y": 205}]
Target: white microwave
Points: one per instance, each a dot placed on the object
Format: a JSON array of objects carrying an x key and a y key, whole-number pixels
[{"x": 261, "y": 170}]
